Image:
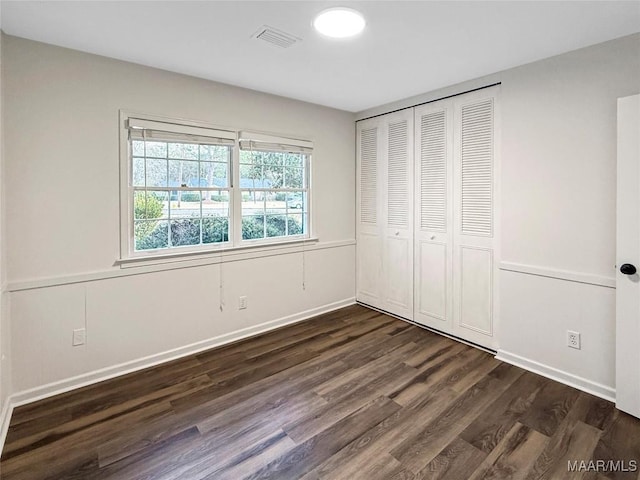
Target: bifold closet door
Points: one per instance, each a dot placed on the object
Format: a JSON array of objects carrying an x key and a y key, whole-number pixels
[
  {"x": 384, "y": 259},
  {"x": 433, "y": 215},
  {"x": 455, "y": 221},
  {"x": 475, "y": 217},
  {"x": 398, "y": 213},
  {"x": 369, "y": 241},
  {"x": 437, "y": 266}
]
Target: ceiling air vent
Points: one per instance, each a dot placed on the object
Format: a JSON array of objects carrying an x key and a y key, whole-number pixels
[{"x": 275, "y": 37}]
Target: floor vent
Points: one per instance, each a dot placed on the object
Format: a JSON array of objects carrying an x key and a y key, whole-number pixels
[{"x": 275, "y": 37}]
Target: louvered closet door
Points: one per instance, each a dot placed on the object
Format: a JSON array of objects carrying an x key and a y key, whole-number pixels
[
  {"x": 369, "y": 177},
  {"x": 475, "y": 219},
  {"x": 398, "y": 209},
  {"x": 433, "y": 215}
]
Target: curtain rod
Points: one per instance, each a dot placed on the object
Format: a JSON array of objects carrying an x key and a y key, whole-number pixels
[{"x": 430, "y": 101}]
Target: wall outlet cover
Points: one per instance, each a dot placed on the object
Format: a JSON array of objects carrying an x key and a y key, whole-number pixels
[
  {"x": 79, "y": 336},
  {"x": 573, "y": 339}
]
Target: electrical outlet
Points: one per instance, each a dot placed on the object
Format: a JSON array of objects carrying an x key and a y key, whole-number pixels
[
  {"x": 573, "y": 339},
  {"x": 79, "y": 337},
  {"x": 242, "y": 303}
]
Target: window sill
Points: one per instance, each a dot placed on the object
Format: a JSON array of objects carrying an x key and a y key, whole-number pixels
[{"x": 222, "y": 253}]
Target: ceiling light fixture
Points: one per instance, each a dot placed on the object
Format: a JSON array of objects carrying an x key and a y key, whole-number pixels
[{"x": 339, "y": 22}]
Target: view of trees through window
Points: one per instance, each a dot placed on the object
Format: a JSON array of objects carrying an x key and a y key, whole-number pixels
[
  {"x": 274, "y": 195},
  {"x": 182, "y": 194}
]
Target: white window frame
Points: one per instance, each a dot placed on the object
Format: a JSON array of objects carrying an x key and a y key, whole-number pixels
[
  {"x": 127, "y": 250},
  {"x": 274, "y": 143}
]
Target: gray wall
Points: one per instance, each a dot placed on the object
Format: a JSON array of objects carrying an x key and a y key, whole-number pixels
[{"x": 62, "y": 184}]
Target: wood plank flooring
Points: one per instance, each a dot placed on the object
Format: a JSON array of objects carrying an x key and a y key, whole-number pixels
[{"x": 353, "y": 394}]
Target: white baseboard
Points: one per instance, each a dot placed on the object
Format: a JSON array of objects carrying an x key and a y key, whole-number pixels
[
  {"x": 5, "y": 419},
  {"x": 594, "y": 388},
  {"x": 34, "y": 394}
]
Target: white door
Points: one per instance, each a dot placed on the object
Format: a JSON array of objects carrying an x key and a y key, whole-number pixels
[
  {"x": 475, "y": 229},
  {"x": 369, "y": 241},
  {"x": 628, "y": 257},
  {"x": 456, "y": 220},
  {"x": 397, "y": 262},
  {"x": 433, "y": 280}
]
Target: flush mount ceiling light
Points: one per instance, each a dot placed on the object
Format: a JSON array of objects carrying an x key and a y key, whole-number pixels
[{"x": 339, "y": 22}]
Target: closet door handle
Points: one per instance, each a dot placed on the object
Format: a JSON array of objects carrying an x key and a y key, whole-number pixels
[
  {"x": 628, "y": 269},
  {"x": 397, "y": 233}
]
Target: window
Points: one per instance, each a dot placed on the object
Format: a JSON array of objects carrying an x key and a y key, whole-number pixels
[
  {"x": 181, "y": 194},
  {"x": 274, "y": 189}
]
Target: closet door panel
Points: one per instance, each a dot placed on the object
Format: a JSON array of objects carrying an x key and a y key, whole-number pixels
[
  {"x": 474, "y": 239},
  {"x": 476, "y": 289},
  {"x": 433, "y": 189},
  {"x": 369, "y": 288},
  {"x": 432, "y": 280},
  {"x": 369, "y": 263},
  {"x": 398, "y": 256},
  {"x": 398, "y": 245}
]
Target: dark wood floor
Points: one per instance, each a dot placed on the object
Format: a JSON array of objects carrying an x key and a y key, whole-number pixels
[{"x": 348, "y": 395}]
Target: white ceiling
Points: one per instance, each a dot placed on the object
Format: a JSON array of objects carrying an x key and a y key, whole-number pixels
[{"x": 408, "y": 48}]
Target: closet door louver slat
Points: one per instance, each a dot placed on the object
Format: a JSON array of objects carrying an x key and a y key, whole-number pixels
[
  {"x": 433, "y": 178},
  {"x": 397, "y": 169},
  {"x": 369, "y": 176},
  {"x": 477, "y": 168}
]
